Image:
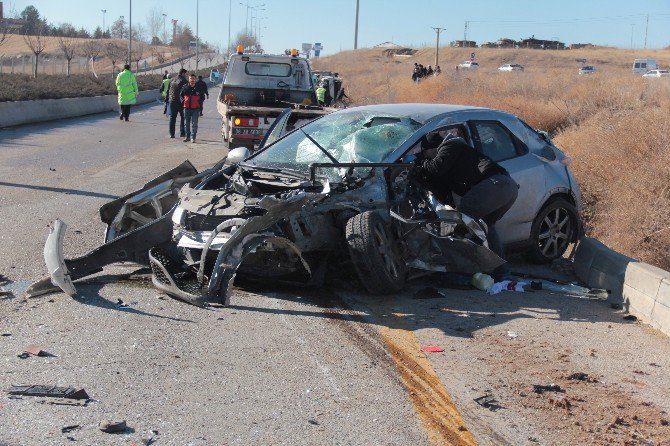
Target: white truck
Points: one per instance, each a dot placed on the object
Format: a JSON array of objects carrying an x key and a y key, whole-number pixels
[
  {"x": 256, "y": 88},
  {"x": 641, "y": 66}
]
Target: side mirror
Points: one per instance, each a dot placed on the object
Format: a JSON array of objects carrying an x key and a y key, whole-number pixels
[{"x": 237, "y": 155}]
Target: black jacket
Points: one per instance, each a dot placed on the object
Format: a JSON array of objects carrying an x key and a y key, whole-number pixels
[
  {"x": 174, "y": 89},
  {"x": 203, "y": 85},
  {"x": 457, "y": 167}
]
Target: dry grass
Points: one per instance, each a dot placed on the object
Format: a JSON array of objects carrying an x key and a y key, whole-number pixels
[
  {"x": 22, "y": 87},
  {"x": 615, "y": 126},
  {"x": 15, "y": 45}
]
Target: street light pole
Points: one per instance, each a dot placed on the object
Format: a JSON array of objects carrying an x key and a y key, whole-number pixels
[
  {"x": 130, "y": 30},
  {"x": 230, "y": 12},
  {"x": 164, "y": 30},
  {"x": 104, "y": 11},
  {"x": 197, "y": 34},
  {"x": 437, "y": 45}
]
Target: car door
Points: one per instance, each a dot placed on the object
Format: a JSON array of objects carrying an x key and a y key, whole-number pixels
[{"x": 496, "y": 140}]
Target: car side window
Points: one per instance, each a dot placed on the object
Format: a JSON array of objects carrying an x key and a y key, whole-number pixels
[{"x": 494, "y": 140}]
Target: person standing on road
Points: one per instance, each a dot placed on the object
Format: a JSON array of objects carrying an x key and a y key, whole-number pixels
[
  {"x": 192, "y": 96},
  {"x": 165, "y": 85},
  {"x": 487, "y": 190},
  {"x": 203, "y": 85},
  {"x": 173, "y": 97},
  {"x": 126, "y": 86}
]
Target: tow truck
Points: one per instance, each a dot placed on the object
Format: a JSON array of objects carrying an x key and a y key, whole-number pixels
[{"x": 256, "y": 88}]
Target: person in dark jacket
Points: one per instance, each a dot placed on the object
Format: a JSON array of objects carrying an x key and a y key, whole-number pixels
[
  {"x": 176, "y": 107},
  {"x": 191, "y": 97},
  {"x": 487, "y": 191},
  {"x": 203, "y": 85}
]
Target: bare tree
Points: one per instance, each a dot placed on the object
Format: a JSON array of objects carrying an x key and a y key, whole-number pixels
[
  {"x": 92, "y": 50},
  {"x": 114, "y": 53},
  {"x": 4, "y": 30},
  {"x": 157, "y": 55},
  {"x": 155, "y": 22},
  {"x": 37, "y": 44},
  {"x": 138, "y": 53},
  {"x": 68, "y": 48}
]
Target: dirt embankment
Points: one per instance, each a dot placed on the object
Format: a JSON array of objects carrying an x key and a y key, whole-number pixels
[{"x": 614, "y": 125}]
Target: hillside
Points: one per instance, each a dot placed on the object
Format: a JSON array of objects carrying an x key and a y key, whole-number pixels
[{"x": 614, "y": 125}]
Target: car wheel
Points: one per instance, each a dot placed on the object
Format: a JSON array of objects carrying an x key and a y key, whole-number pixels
[
  {"x": 553, "y": 230},
  {"x": 376, "y": 253}
]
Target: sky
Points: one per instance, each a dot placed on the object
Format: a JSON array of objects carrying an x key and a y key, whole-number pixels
[{"x": 289, "y": 23}]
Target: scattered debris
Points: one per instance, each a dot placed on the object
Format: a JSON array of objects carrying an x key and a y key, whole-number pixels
[
  {"x": 539, "y": 388},
  {"x": 640, "y": 372},
  {"x": 482, "y": 281},
  {"x": 581, "y": 376},
  {"x": 121, "y": 304},
  {"x": 70, "y": 428},
  {"x": 653, "y": 364},
  {"x": 488, "y": 401},
  {"x": 6, "y": 334},
  {"x": 314, "y": 422},
  {"x": 4, "y": 280},
  {"x": 112, "y": 427},
  {"x": 562, "y": 403},
  {"x": 432, "y": 349},
  {"x": 664, "y": 422},
  {"x": 630, "y": 317},
  {"x": 66, "y": 402},
  {"x": 36, "y": 350},
  {"x": 49, "y": 391},
  {"x": 512, "y": 334},
  {"x": 506, "y": 285},
  {"x": 52, "y": 169},
  {"x": 428, "y": 293}
]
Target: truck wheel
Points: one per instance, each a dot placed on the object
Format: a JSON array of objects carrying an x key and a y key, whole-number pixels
[{"x": 376, "y": 254}]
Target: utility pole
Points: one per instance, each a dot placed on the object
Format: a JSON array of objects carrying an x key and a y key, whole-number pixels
[
  {"x": 632, "y": 28},
  {"x": 356, "y": 27},
  {"x": 130, "y": 30},
  {"x": 646, "y": 30},
  {"x": 437, "y": 45},
  {"x": 104, "y": 11},
  {"x": 465, "y": 30}
]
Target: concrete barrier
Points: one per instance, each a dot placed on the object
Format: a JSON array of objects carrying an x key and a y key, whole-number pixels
[
  {"x": 30, "y": 112},
  {"x": 643, "y": 289}
]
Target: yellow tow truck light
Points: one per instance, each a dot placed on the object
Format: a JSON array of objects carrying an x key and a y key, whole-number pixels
[
  {"x": 294, "y": 52},
  {"x": 240, "y": 49}
]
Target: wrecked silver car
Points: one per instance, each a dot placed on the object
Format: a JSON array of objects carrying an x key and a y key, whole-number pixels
[{"x": 311, "y": 199}]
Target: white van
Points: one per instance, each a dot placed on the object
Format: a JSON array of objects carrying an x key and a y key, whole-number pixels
[{"x": 641, "y": 66}]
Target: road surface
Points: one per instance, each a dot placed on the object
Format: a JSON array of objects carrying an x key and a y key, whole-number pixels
[{"x": 287, "y": 365}]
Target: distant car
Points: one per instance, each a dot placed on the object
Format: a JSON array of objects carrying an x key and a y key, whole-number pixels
[
  {"x": 214, "y": 75},
  {"x": 588, "y": 69},
  {"x": 511, "y": 67},
  {"x": 656, "y": 73},
  {"x": 469, "y": 65}
]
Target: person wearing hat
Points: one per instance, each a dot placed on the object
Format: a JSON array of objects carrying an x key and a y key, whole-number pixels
[{"x": 486, "y": 189}]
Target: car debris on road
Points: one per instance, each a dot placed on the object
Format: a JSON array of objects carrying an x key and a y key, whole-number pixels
[{"x": 49, "y": 391}]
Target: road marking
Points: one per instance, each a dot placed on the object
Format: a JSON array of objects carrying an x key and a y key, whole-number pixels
[{"x": 430, "y": 398}]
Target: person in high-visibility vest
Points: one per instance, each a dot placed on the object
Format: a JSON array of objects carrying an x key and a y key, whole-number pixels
[
  {"x": 321, "y": 95},
  {"x": 164, "y": 90},
  {"x": 126, "y": 85}
]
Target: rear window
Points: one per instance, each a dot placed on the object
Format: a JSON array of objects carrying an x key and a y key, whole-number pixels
[{"x": 268, "y": 69}]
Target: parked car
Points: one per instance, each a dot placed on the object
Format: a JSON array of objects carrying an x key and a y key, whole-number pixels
[
  {"x": 469, "y": 65},
  {"x": 641, "y": 66},
  {"x": 587, "y": 69},
  {"x": 656, "y": 73},
  {"x": 337, "y": 189},
  {"x": 510, "y": 67},
  {"x": 214, "y": 75}
]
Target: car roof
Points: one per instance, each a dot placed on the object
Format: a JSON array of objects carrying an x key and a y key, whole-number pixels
[{"x": 419, "y": 112}]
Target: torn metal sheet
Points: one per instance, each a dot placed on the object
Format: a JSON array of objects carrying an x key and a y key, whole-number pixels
[{"x": 49, "y": 391}]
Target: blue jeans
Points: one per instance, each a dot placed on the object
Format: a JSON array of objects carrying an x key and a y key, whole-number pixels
[{"x": 191, "y": 116}]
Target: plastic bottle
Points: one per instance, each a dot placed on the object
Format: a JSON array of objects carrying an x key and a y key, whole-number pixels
[{"x": 482, "y": 281}]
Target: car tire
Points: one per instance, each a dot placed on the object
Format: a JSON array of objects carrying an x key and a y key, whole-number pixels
[
  {"x": 375, "y": 253},
  {"x": 554, "y": 227}
]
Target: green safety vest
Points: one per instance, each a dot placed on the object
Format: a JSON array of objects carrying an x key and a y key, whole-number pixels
[
  {"x": 321, "y": 94},
  {"x": 126, "y": 85},
  {"x": 166, "y": 84}
]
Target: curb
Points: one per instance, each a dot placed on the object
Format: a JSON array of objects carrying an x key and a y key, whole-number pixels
[
  {"x": 14, "y": 113},
  {"x": 643, "y": 289}
]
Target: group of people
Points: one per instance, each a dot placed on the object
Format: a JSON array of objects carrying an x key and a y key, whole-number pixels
[
  {"x": 182, "y": 96},
  {"x": 419, "y": 71},
  {"x": 185, "y": 98}
]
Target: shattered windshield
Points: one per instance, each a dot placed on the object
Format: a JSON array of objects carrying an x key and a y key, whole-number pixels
[{"x": 347, "y": 136}]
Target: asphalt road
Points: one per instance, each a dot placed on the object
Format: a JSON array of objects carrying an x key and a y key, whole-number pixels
[{"x": 289, "y": 365}]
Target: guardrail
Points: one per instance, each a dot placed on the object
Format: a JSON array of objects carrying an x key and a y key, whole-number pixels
[
  {"x": 14, "y": 113},
  {"x": 642, "y": 289}
]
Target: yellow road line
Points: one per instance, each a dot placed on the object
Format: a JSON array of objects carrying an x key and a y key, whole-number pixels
[{"x": 430, "y": 398}]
